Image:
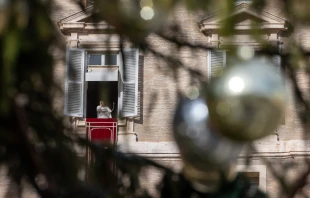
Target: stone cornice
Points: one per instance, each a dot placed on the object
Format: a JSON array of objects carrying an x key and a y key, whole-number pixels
[
  {"x": 82, "y": 14},
  {"x": 264, "y": 26},
  {"x": 82, "y": 27}
]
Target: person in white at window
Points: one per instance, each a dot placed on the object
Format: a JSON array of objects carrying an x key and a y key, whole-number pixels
[{"x": 102, "y": 111}]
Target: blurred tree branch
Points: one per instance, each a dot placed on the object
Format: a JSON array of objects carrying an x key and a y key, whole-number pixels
[{"x": 35, "y": 140}]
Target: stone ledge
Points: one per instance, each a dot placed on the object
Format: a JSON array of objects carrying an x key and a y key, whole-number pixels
[{"x": 281, "y": 149}]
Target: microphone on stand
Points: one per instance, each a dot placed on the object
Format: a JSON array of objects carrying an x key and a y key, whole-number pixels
[{"x": 112, "y": 107}]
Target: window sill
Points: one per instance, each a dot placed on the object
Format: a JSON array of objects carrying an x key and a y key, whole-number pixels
[
  {"x": 102, "y": 66},
  {"x": 82, "y": 123}
]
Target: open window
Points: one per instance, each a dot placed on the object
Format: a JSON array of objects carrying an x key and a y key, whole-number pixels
[
  {"x": 101, "y": 75},
  {"x": 103, "y": 58}
]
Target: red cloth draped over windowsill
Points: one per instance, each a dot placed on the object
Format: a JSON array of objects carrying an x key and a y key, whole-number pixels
[{"x": 101, "y": 129}]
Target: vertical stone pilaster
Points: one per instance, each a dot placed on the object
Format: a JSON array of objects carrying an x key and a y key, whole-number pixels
[
  {"x": 214, "y": 40},
  {"x": 74, "y": 40},
  {"x": 128, "y": 135},
  {"x": 274, "y": 40}
]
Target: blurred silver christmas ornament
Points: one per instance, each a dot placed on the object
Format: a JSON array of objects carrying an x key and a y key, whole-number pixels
[
  {"x": 205, "y": 153},
  {"x": 248, "y": 101}
]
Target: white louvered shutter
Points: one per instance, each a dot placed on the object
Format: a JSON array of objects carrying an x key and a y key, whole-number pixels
[
  {"x": 74, "y": 87},
  {"x": 130, "y": 82},
  {"x": 217, "y": 62}
]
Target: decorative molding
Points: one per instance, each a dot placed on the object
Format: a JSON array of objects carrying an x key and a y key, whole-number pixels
[
  {"x": 99, "y": 45},
  {"x": 74, "y": 23}
]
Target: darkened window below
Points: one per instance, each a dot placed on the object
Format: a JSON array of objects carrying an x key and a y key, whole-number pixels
[{"x": 254, "y": 179}]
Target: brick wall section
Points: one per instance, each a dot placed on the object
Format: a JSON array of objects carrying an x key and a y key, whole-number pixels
[
  {"x": 160, "y": 90},
  {"x": 292, "y": 129},
  {"x": 151, "y": 177},
  {"x": 287, "y": 168}
]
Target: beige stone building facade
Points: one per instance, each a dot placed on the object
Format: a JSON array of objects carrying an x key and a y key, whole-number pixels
[{"x": 147, "y": 128}]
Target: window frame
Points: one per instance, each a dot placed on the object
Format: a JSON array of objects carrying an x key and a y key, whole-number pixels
[
  {"x": 103, "y": 55},
  {"x": 261, "y": 169},
  {"x": 132, "y": 94}
]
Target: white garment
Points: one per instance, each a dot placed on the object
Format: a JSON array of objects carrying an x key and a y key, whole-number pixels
[{"x": 103, "y": 112}]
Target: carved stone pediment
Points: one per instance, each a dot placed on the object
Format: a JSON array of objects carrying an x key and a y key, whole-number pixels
[
  {"x": 84, "y": 32},
  {"x": 244, "y": 18},
  {"x": 80, "y": 22}
]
